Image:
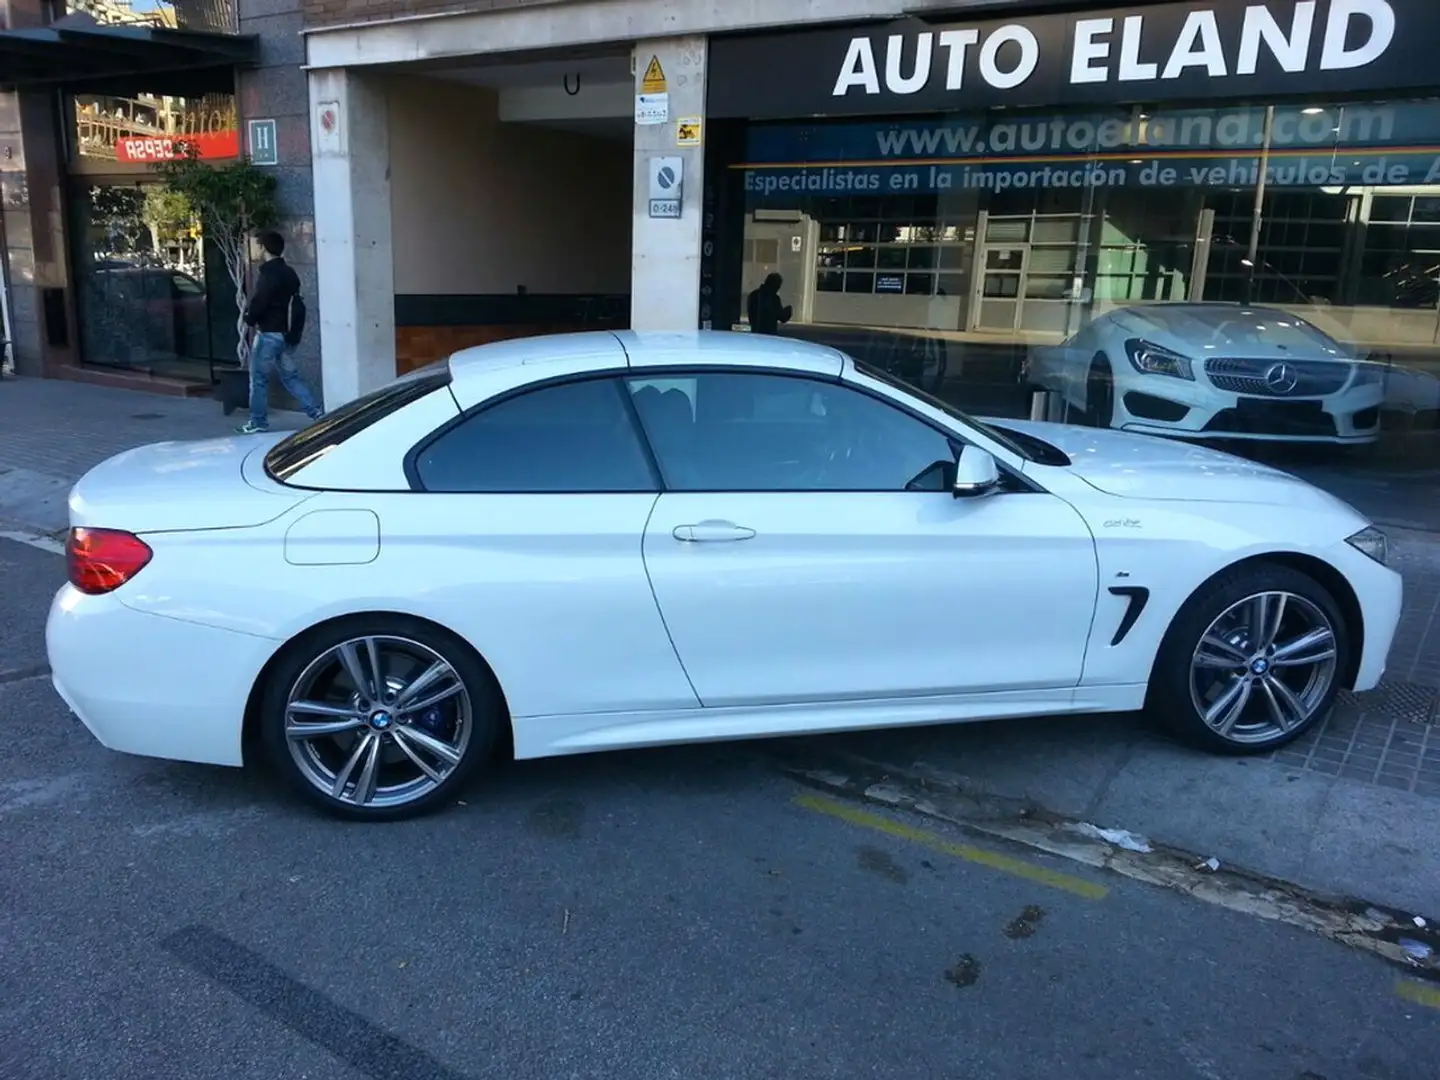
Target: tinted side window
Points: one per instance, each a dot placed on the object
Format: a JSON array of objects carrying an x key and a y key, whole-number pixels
[
  {"x": 572, "y": 437},
  {"x": 737, "y": 431}
]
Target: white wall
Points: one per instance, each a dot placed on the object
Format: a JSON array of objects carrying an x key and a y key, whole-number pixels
[{"x": 478, "y": 206}]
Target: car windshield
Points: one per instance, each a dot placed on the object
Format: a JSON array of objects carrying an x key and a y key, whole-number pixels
[
  {"x": 989, "y": 430},
  {"x": 1228, "y": 327}
]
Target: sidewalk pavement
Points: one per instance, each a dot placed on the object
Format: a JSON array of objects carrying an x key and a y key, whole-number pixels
[
  {"x": 1352, "y": 808},
  {"x": 52, "y": 432}
]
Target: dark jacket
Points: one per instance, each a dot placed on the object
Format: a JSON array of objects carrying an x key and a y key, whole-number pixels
[
  {"x": 766, "y": 311},
  {"x": 269, "y": 307}
]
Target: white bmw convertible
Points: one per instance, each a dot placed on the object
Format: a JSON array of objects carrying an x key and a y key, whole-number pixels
[{"x": 597, "y": 541}]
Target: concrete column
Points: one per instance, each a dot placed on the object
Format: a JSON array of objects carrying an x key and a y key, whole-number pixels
[
  {"x": 665, "y": 260},
  {"x": 350, "y": 140}
]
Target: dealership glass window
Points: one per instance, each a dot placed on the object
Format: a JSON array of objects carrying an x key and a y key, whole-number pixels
[
  {"x": 127, "y": 129},
  {"x": 144, "y": 279},
  {"x": 145, "y": 128},
  {"x": 151, "y": 295},
  {"x": 215, "y": 16},
  {"x": 969, "y": 273}
]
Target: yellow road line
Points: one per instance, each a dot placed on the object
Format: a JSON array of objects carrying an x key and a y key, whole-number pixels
[
  {"x": 994, "y": 860},
  {"x": 1418, "y": 993}
]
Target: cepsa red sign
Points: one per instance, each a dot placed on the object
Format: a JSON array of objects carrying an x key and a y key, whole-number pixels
[{"x": 143, "y": 148}]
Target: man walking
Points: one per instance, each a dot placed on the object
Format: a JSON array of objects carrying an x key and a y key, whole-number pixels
[
  {"x": 269, "y": 315},
  {"x": 764, "y": 307}
]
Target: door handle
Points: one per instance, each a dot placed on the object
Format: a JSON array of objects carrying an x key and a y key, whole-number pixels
[{"x": 712, "y": 532}]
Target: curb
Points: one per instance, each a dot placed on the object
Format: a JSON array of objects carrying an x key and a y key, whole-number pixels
[{"x": 1405, "y": 939}]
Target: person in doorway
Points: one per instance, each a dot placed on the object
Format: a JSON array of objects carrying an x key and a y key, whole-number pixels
[
  {"x": 764, "y": 308},
  {"x": 268, "y": 314}
]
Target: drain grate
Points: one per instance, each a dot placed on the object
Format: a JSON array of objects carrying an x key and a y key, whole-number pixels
[
  {"x": 1407, "y": 701},
  {"x": 147, "y": 416}
]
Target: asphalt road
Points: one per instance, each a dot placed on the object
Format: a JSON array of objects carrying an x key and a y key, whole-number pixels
[{"x": 686, "y": 913}]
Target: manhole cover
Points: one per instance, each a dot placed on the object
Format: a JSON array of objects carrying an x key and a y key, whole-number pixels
[
  {"x": 1407, "y": 701},
  {"x": 147, "y": 416}
]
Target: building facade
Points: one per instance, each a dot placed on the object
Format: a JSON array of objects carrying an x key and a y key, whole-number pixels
[
  {"x": 1194, "y": 219},
  {"x": 108, "y": 280}
]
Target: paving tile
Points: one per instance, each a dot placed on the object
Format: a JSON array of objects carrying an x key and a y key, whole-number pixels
[{"x": 1399, "y": 783}]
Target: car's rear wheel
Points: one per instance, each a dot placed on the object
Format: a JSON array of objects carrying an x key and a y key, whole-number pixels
[
  {"x": 380, "y": 718},
  {"x": 1252, "y": 661}
]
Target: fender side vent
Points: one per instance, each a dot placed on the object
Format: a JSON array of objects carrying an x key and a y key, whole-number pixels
[{"x": 1138, "y": 597}]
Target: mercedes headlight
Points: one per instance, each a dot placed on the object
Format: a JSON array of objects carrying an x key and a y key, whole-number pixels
[
  {"x": 1369, "y": 373},
  {"x": 1151, "y": 359},
  {"x": 1372, "y": 542}
]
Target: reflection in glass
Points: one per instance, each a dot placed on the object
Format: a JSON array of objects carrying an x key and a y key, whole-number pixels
[
  {"x": 1287, "y": 258},
  {"x": 140, "y": 269},
  {"x": 214, "y": 16}
]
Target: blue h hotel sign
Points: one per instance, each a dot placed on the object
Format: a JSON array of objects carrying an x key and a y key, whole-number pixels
[{"x": 1180, "y": 51}]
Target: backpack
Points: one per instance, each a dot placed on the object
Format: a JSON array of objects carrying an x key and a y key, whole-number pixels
[{"x": 294, "y": 320}]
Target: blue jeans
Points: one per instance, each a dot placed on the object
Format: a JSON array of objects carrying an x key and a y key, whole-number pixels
[{"x": 270, "y": 351}]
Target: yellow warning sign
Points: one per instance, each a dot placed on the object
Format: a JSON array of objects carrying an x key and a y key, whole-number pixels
[
  {"x": 653, "y": 81},
  {"x": 687, "y": 131}
]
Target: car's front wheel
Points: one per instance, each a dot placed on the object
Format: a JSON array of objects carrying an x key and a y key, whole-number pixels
[
  {"x": 379, "y": 718},
  {"x": 1252, "y": 661}
]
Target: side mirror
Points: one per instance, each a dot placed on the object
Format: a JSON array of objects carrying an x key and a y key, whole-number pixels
[{"x": 976, "y": 473}]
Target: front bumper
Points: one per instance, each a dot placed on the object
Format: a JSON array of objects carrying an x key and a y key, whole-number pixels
[
  {"x": 151, "y": 685},
  {"x": 1200, "y": 411}
]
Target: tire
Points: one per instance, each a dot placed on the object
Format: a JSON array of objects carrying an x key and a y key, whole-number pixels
[
  {"x": 1100, "y": 393},
  {"x": 1188, "y": 681},
  {"x": 411, "y": 747}
]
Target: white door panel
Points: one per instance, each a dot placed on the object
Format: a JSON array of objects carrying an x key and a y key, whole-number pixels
[
  {"x": 782, "y": 597},
  {"x": 551, "y": 589}
]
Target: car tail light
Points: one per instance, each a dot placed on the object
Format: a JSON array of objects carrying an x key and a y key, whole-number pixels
[{"x": 101, "y": 560}]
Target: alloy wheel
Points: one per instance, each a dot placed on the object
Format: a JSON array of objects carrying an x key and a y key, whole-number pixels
[
  {"x": 1264, "y": 668},
  {"x": 378, "y": 721}
]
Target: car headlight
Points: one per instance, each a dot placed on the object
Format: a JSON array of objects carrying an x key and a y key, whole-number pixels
[
  {"x": 1151, "y": 359},
  {"x": 1372, "y": 542}
]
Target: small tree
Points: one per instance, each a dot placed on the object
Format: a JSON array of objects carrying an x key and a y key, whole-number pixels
[
  {"x": 169, "y": 217},
  {"x": 232, "y": 202}
]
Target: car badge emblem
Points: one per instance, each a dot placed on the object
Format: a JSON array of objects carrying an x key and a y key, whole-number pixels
[{"x": 1281, "y": 379}]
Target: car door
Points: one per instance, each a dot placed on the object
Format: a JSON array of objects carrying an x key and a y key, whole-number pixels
[
  {"x": 526, "y": 539},
  {"x": 808, "y": 548}
]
